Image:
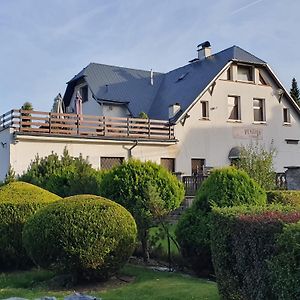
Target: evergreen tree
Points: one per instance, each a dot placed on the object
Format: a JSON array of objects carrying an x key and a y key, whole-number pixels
[{"x": 295, "y": 93}]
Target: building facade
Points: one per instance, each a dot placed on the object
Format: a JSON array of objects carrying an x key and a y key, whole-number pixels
[{"x": 199, "y": 116}]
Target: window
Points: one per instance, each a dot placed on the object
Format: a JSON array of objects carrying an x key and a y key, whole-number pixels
[
  {"x": 84, "y": 93},
  {"x": 286, "y": 116},
  {"x": 259, "y": 110},
  {"x": 204, "y": 110},
  {"x": 229, "y": 74},
  {"x": 109, "y": 162},
  {"x": 168, "y": 163},
  {"x": 234, "y": 112},
  {"x": 244, "y": 73},
  {"x": 197, "y": 166}
]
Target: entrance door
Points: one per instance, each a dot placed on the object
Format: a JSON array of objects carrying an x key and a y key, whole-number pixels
[{"x": 197, "y": 166}]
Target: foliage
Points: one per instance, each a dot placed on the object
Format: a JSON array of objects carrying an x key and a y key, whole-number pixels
[
  {"x": 228, "y": 187},
  {"x": 175, "y": 286},
  {"x": 224, "y": 187},
  {"x": 143, "y": 115},
  {"x": 193, "y": 234},
  {"x": 129, "y": 183},
  {"x": 10, "y": 175},
  {"x": 242, "y": 241},
  {"x": 27, "y": 106},
  {"x": 64, "y": 176},
  {"x": 87, "y": 236},
  {"x": 257, "y": 162},
  {"x": 285, "y": 266},
  {"x": 18, "y": 202},
  {"x": 284, "y": 197},
  {"x": 294, "y": 92}
]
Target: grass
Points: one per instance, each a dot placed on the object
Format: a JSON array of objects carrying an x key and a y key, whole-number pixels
[
  {"x": 160, "y": 241},
  {"x": 147, "y": 284}
]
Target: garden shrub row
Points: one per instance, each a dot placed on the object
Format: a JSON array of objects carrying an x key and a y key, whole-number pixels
[
  {"x": 284, "y": 197},
  {"x": 87, "y": 236},
  {"x": 18, "y": 202},
  {"x": 246, "y": 255},
  {"x": 224, "y": 187}
]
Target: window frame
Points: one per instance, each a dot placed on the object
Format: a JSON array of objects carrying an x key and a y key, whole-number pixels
[
  {"x": 205, "y": 104},
  {"x": 262, "y": 107},
  {"x": 287, "y": 120},
  {"x": 239, "y": 116},
  {"x": 84, "y": 95},
  {"x": 251, "y": 73},
  {"x": 168, "y": 159}
]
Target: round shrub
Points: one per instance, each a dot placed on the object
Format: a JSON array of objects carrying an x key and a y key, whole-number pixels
[
  {"x": 140, "y": 186},
  {"x": 18, "y": 202},
  {"x": 87, "y": 236},
  {"x": 224, "y": 187},
  {"x": 284, "y": 197},
  {"x": 229, "y": 187}
]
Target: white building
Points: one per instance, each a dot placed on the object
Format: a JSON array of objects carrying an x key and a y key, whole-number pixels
[{"x": 206, "y": 109}]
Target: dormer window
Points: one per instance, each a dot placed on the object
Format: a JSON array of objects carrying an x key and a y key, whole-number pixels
[
  {"x": 244, "y": 73},
  {"x": 84, "y": 92}
]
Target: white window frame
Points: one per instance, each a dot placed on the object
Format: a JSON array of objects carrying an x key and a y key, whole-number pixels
[
  {"x": 230, "y": 108},
  {"x": 251, "y": 70},
  {"x": 288, "y": 121},
  {"x": 263, "y": 107},
  {"x": 203, "y": 117}
]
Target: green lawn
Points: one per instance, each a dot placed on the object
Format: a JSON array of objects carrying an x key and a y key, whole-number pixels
[{"x": 147, "y": 285}]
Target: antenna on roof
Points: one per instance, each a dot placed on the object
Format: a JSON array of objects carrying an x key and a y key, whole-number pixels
[{"x": 151, "y": 77}]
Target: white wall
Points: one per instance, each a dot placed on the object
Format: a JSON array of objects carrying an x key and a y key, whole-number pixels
[
  {"x": 212, "y": 139},
  {"x": 5, "y": 146}
]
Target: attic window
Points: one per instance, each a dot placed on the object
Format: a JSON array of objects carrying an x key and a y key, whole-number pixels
[
  {"x": 244, "y": 73},
  {"x": 84, "y": 92},
  {"x": 182, "y": 76}
]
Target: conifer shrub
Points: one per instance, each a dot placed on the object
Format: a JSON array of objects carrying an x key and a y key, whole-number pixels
[
  {"x": 87, "y": 236},
  {"x": 285, "y": 265},
  {"x": 243, "y": 240},
  {"x": 224, "y": 187},
  {"x": 18, "y": 202},
  {"x": 229, "y": 187},
  {"x": 284, "y": 197}
]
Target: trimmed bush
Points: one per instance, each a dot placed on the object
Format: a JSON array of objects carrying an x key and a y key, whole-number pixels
[
  {"x": 18, "y": 202},
  {"x": 284, "y": 197},
  {"x": 194, "y": 237},
  {"x": 243, "y": 239},
  {"x": 229, "y": 187},
  {"x": 285, "y": 266},
  {"x": 137, "y": 185},
  {"x": 224, "y": 187},
  {"x": 87, "y": 236},
  {"x": 64, "y": 175}
]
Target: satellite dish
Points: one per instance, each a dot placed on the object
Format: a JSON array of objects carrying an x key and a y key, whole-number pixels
[{"x": 280, "y": 93}]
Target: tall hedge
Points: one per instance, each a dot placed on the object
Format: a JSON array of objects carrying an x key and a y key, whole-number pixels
[
  {"x": 224, "y": 187},
  {"x": 87, "y": 236},
  {"x": 129, "y": 184},
  {"x": 18, "y": 202},
  {"x": 243, "y": 240},
  {"x": 285, "y": 265}
]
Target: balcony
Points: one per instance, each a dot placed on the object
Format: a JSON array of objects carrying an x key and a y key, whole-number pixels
[{"x": 87, "y": 126}]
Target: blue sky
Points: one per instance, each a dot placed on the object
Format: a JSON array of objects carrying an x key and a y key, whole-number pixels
[{"x": 45, "y": 43}]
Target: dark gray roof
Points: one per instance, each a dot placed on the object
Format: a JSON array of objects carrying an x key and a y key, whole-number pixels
[{"x": 131, "y": 86}]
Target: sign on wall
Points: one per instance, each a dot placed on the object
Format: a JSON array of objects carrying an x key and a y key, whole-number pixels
[{"x": 247, "y": 133}]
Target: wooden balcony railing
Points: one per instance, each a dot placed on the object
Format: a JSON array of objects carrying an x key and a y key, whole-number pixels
[{"x": 48, "y": 123}]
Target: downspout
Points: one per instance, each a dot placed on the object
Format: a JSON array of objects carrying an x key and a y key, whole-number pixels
[{"x": 131, "y": 148}]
